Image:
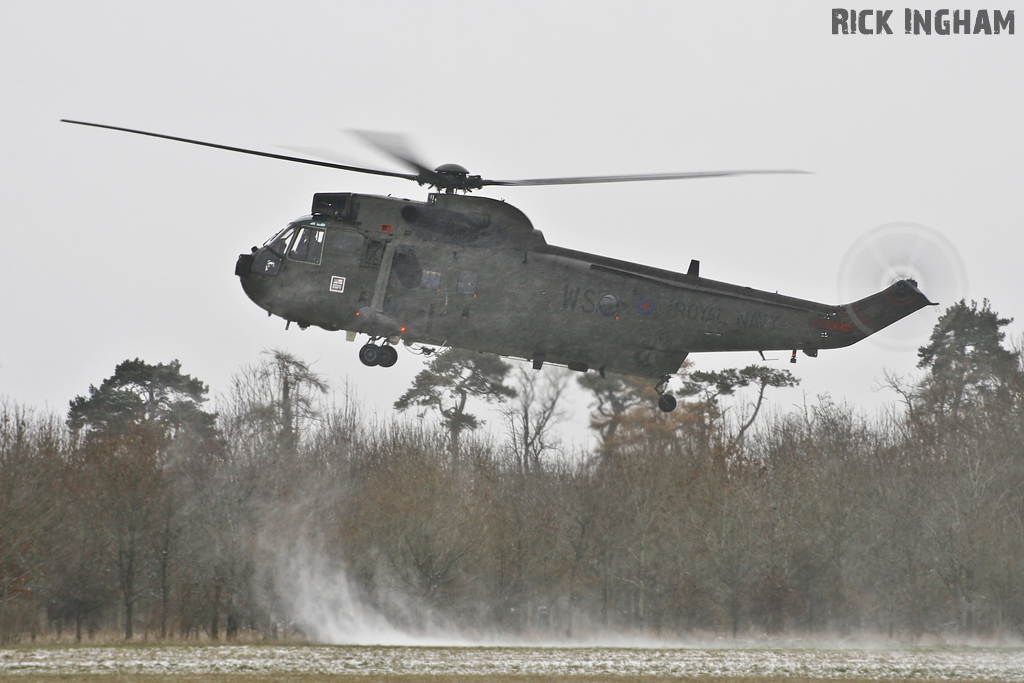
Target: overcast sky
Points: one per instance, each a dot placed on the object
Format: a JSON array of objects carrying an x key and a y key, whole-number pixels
[{"x": 119, "y": 246}]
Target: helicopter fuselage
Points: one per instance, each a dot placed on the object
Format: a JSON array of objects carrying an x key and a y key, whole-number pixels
[{"x": 473, "y": 273}]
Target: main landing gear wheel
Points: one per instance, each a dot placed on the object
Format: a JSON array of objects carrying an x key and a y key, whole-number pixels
[
  {"x": 666, "y": 401},
  {"x": 384, "y": 356},
  {"x": 370, "y": 355},
  {"x": 387, "y": 356}
]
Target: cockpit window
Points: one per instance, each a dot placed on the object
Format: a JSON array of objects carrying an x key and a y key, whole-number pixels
[
  {"x": 268, "y": 259},
  {"x": 308, "y": 245},
  {"x": 279, "y": 242}
]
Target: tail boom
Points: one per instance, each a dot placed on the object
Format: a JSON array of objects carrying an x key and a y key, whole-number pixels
[{"x": 863, "y": 318}]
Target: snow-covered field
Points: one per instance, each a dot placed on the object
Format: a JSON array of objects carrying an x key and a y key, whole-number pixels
[{"x": 992, "y": 664}]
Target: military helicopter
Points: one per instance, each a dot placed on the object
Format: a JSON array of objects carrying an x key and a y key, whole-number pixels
[{"x": 473, "y": 273}]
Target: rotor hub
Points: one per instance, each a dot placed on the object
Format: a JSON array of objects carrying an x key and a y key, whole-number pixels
[
  {"x": 452, "y": 169},
  {"x": 452, "y": 177}
]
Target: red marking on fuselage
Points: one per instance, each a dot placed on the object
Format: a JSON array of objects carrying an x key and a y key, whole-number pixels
[{"x": 831, "y": 325}]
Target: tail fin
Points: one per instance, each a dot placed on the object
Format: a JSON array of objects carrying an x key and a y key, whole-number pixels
[{"x": 878, "y": 311}]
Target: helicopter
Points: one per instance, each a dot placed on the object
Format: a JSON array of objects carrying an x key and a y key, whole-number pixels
[{"x": 471, "y": 272}]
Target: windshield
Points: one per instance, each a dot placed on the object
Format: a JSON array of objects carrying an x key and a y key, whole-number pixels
[
  {"x": 279, "y": 242},
  {"x": 268, "y": 259}
]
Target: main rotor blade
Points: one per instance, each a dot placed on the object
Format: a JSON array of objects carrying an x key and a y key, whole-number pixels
[
  {"x": 269, "y": 155},
  {"x": 322, "y": 153},
  {"x": 583, "y": 180},
  {"x": 395, "y": 146}
]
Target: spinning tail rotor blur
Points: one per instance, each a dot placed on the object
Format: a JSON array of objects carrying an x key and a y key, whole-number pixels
[{"x": 897, "y": 251}]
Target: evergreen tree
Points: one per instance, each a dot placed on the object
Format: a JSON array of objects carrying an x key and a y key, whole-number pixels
[
  {"x": 968, "y": 367},
  {"x": 448, "y": 381},
  {"x": 725, "y": 383},
  {"x": 138, "y": 393},
  {"x": 124, "y": 481},
  {"x": 614, "y": 397}
]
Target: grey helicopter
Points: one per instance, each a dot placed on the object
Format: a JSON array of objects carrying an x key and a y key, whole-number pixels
[{"x": 471, "y": 272}]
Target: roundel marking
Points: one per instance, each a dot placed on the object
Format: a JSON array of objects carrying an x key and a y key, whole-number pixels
[{"x": 645, "y": 306}]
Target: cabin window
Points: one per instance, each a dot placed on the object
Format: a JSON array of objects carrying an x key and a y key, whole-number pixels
[
  {"x": 467, "y": 282},
  {"x": 431, "y": 279},
  {"x": 344, "y": 241},
  {"x": 308, "y": 245},
  {"x": 373, "y": 253}
]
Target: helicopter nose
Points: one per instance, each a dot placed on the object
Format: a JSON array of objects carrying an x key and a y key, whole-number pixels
[
  {"x": 257, "y": 288},
  {"x": 243, "y": 266},
  {"x": 251, "y": 283}
]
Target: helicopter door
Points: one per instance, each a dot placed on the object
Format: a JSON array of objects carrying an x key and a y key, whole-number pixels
[{"x": 342, "y": 255}]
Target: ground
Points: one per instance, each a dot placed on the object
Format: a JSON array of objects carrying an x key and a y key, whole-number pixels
[{"x": 222, "y": 663}]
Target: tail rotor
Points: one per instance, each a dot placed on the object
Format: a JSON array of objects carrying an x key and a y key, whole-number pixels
[{"x": 904, "y": 251}]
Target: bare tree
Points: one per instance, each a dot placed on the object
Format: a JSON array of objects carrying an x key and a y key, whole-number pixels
[
  {"x": 30, "y": 450},
  {"x": 531, "y": 417},
  {"x": 275, "y": 401}
]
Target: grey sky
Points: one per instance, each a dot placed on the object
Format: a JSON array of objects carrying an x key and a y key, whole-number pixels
[{"x": 119, "y": 246}]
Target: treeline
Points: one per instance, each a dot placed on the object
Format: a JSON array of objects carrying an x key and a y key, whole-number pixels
[{"x": 282, "y": 515}]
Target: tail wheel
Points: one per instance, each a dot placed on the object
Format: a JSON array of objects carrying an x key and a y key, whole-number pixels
[
  {"x": 387, "y": 357},
  {"x": 667, "y": 403},
  {"x": 370, "y": 355}
]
